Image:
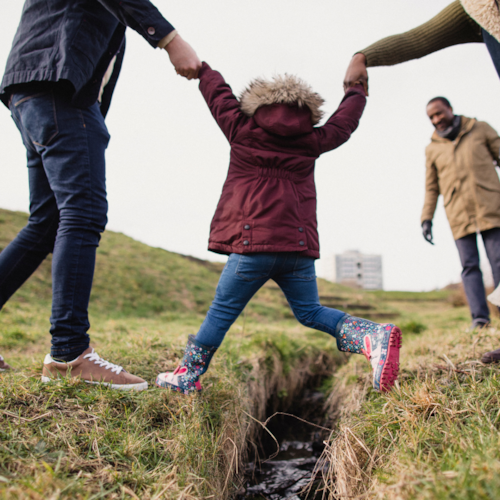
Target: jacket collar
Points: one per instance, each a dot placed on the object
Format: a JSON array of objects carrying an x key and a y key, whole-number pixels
[
  {"x": 486, "y": 13},
  {"x": 467, "y": 125}
]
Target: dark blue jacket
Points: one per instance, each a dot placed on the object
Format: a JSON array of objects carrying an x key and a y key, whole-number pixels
[{"x": 75, "y": 40}]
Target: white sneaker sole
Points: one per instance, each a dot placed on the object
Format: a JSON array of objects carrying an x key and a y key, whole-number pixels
[
  {"x": 494, "y": 297},
  {"x": 121, "y": 387}
]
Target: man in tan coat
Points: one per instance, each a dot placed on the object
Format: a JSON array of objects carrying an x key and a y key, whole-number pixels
[{"x": 460, "y": 165}]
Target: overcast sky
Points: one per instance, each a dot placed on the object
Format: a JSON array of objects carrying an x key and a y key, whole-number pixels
[{"x": 167, "y": 159}]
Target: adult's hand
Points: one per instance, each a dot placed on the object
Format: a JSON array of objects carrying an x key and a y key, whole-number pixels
[
  {"x": 183, "y": 58},
  {"x": 427, "y": 231},
  {"x": 356, "y": 72}
]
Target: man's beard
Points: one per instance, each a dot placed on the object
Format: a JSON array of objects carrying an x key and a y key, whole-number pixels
[{"x": 452, "y": 131}]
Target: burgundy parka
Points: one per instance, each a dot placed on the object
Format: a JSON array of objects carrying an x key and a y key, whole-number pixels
[{"x": 268, "y": 202}]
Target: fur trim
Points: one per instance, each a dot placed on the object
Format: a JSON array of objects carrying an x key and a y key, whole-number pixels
[
  {"x": 485, "y": 13},
  {"x": 286, "y": 89}
]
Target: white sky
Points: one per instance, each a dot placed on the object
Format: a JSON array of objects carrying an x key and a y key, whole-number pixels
[{"x": 167, "y": 159}]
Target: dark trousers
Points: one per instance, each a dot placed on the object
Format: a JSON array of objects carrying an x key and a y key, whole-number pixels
[
  {"x": 65, "y": 151},
  {"x": 472, "y": 277},
  {"x": 494, "y": 49}
]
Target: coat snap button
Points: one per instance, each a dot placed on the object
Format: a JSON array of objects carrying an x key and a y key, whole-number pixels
[
  {"x": 247, "y": 226},
  {"x": 151, "y": 31},
  {"x": 301, "y": 243},
  {"x": 301, "y": 229},
  {"x": 246, "y": 242}
]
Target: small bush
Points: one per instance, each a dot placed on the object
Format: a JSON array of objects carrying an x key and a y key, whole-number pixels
[
  {"x": 413, "y": 327},
  {"x": 14, "y": 338}
]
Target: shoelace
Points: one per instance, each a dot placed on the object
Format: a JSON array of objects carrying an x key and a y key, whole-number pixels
[{"x": 93, "y": 356}]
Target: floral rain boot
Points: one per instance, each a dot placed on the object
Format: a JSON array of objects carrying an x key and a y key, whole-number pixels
[
  {"x": 195, "y": 362},
  {"x": 380, "y": 343},
  {"x": 3, "y": 365}
]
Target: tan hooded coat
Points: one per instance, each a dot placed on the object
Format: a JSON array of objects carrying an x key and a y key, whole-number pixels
[
  {"x": 486, "y": 13},
  {"x": 463, "y": 171}
]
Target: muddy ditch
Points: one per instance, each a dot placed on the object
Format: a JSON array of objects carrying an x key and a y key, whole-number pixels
[{"x": 282, "y": 453}]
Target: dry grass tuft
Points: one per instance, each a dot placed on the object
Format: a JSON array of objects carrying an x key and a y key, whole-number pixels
[{"x": 435, "y": 436}]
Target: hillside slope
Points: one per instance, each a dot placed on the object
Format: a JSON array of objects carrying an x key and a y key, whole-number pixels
[{"x": 134, "y": 279}]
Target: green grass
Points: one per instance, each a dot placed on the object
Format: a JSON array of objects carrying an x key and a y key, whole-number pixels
[
  {"x": 436, "y": 436},
  {"x": 71, "y": 440}
]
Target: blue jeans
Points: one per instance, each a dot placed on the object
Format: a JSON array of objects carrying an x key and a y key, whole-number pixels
[
  {"x": 494, "y": 49},
  {"x": 472, "y": 277},
  {"x": 65, "y": 151},
  {"x": 242, "y": 277}
]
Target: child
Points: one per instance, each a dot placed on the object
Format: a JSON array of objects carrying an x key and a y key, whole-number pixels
[{"x": 266, "y": 219}]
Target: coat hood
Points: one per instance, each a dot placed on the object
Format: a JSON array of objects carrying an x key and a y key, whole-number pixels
[
  {"x": 486, "y": 13},
  {"x": 283, "y": 119},
  {"x": 285, "y": 89}
]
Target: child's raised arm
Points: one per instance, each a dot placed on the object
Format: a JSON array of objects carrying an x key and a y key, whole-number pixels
[
  {"x": 344, "y": 121},
  {"x": 223, "y": 104}
]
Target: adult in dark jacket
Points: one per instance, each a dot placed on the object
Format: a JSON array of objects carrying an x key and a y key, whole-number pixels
[
  {"x": 58, "y": 83},
  {"x": 266, "y": 219}
]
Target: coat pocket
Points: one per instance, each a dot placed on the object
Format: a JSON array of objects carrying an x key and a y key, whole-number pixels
[{"x": 449, "y": 197}]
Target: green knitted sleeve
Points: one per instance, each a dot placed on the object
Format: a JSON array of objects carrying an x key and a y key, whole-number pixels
[{"x": 451, "y": 26}]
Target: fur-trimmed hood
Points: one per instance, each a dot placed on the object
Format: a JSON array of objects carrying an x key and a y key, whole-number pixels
[
  {"x": 285, "y": 89},
  {"x": 486, "y": 13}
]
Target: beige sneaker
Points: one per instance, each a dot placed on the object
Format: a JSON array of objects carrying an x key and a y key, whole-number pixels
[
  {"x": 3, "y": 365},
  {"x": 91, "y": 368},
  {"x": 494, "y": 296}
]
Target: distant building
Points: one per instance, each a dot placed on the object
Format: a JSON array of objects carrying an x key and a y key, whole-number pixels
[{"x": 359, "y": 270}]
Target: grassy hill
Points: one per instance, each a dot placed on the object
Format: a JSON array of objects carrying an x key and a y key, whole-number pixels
[
  {"x": 435, "y": 436},
  {"x": 133, "y": 279}
]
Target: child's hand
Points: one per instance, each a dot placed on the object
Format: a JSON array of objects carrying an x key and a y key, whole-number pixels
[
  {"x": 356, "y": 73},
  {"x": 184, "y": 58}
]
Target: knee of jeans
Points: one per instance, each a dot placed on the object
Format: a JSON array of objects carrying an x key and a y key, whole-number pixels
[
  {"x": 306, "y": 316},
  {"x": 470, "y": 267},
  {"x": 94, "y": 220},
  {"x": 42, "y": 231}
]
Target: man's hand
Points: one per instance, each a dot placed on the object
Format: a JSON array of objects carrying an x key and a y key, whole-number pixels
[
  {"x": 356, "y": 73},
  {"x": 427, "y": 231},
  {"x": 183, "y": 58}
]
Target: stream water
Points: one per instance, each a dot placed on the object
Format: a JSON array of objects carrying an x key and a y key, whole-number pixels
[{"x": 287, "y": 474}]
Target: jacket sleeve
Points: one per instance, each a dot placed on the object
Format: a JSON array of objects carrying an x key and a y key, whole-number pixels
[
  {"x": 223, "y": 105},
  {"x": 142, "y": 16},
  {"x": 344, "y": 121},
  {"x": 492, "y": 141},
  {"x": 431, "y": 190},
  {"x": 452, "y": 26}
]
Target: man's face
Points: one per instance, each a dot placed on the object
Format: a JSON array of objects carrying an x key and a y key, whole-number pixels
[{"x": 440, "y": 115}]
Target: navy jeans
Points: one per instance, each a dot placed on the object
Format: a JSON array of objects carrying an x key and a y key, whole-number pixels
[
  {"x": 494, "y": 49},
  {"x": 65, "y": 151},
  {"x": 472, "y": 277},
  {"x": 242, "y": 277}
]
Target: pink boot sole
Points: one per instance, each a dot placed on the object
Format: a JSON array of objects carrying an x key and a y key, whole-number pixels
[{"x": 391, "y": 367}]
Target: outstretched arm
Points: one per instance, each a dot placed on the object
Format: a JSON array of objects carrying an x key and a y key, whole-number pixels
[
  {"x": 344, "y": 121},
  {"x": 143, "y": 17},
  {"x": 223, "y": 105},
  {"x": 452, "y": 26}
]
